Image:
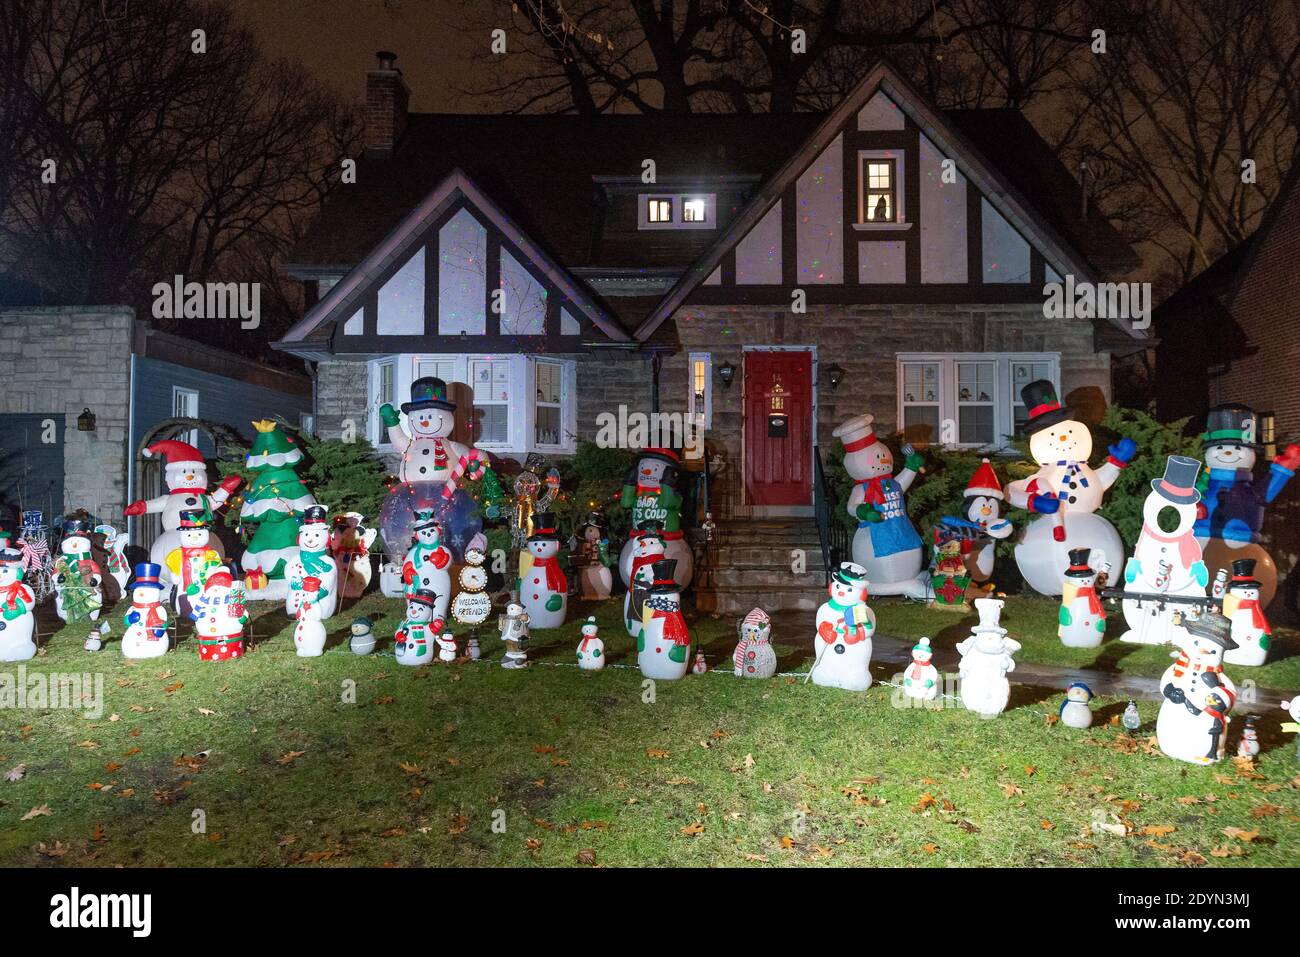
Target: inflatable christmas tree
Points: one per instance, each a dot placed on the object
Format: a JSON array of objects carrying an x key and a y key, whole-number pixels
[{"x": 274, "y": 502}]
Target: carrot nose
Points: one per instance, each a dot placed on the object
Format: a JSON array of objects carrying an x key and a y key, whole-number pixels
[{"x": 1064, "y": 438}]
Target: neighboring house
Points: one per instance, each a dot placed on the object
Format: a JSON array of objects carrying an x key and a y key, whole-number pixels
[
  {"x": 885, "y": 257},
  {"x": 62, "y": 363}
]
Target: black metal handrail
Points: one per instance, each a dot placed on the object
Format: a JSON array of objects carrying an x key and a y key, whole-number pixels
[{"x": 831, "y": 534}]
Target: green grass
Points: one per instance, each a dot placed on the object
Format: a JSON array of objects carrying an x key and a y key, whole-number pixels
[{"x": 774, "y": 773}]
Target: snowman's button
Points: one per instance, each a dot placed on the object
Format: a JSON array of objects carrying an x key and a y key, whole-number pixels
[
  {"x": 424, "y": 451},
  {"x": 839, "y": 649},
  {"x": 423, "y": 470}
]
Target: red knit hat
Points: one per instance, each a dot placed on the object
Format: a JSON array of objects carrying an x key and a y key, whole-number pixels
[
  {"x": 984, "y": 482},
  {"x": 177, "y": 453}
]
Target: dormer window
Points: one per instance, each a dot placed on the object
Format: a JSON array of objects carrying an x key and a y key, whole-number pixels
[{"x": 676, "y": 211}]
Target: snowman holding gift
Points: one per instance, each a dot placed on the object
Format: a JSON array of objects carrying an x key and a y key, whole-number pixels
[{"x": 1065, "y": 491}]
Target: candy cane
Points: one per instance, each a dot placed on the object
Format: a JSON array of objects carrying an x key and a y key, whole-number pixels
[{"x": 463, "y": 469}]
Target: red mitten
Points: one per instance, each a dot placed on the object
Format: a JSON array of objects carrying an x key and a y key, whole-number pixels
[
  {"x": 826, "y": 631},
  {"x": 135, "y": 508},
  {"x": 1201, "y": 511},
  {"x": 231, "y": 482},
  {"x": 440, "y": 558},
  {"x": 1290, "y": 457},
  {"x": 408, "y": 573}
]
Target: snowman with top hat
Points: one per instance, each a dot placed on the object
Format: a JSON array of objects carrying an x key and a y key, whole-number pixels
[
  {"x": 1167, "y": 558},
  {"x": 648, "y": 548},
  {"x": 1192, "y": 724},
  {"x": 1081, "y": 621},
  {"x": 428, "y": 455},
  {"x": 78, "y": 579},
  {"x": 313, "y": 561},
  {"x": 1233, "y": 500},
  {"x": 886, "y": 545},
  {"x": 17, "y": 609},
  {"x": 986, "y": 660},
  {"x": 1065, "y": 492},
  {"x": 845, "y": 626},
  {"x": 146, "y": 619},
  {"x": 1243, "y": 606},
  {"x": 650, "y": 493},
  {"x": 427, "y": 565},
  {"x": 543, "y": 586},
  {"x": 663, "y": 646},
  {"x": 186, "y": 476}
]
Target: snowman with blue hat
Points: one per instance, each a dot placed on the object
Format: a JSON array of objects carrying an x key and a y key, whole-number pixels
[
  {"x": 1074, "y": 711},
  {"x": 146, "y": 619}
]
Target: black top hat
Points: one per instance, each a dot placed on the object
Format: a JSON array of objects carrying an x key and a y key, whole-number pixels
[
  {"x": 1229, "y": 424},
  {"x": 10, "y": 556},
  {"x": 850, "y": 574},
  {"x": 81, "y": 526},
  {"x": 1079, "y": 567},
  {"x": 425, "y": 518},
  {"x": 1044, "y": 408},
  {"x": 544, "y": 526},
  {"x": 428, "y": 392},
  {"x": 314, "y": 515},
  {"x": 651, "y": 528},
  {"x": 1179, "y": 482},
  {"x": 597, "y": 519},
  {"x": 1213, "y": 626},
  {"x": 423, "y": 596},
  {"x": 663, "y": 571},
  {"x": 1243, "y": 574}
]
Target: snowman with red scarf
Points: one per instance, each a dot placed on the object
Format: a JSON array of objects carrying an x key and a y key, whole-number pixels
[
  {"x": 650, "y": 494},
  {"x": 845, "y": 626},
  {"x": 886, "y": 545},
  {"x": 543, "y": 587},
  {"x": 663, "y": 647},
  {"x": 648, "y": 549},
  {"x": 146, "y": 619},
  {"x": 1065, "y": 490},
  {"x": 17, "y": 609}
]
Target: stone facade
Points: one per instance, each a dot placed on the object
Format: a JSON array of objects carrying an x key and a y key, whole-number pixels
[{"x": 63, "y": 360}]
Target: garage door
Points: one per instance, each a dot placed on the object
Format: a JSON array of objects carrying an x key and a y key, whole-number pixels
[{"x": 31, "y": 463}]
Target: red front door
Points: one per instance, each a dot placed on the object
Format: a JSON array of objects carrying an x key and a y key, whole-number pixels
[{"x": 778, "y": 423}]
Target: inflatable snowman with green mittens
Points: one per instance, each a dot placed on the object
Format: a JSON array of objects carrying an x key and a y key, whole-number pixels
[
  {"x": 17, "y": 604},
  {"x": 591, "y": 650},
  {"x": 313, "y": 561},
  {"x": 663, "y": 646},
  {"x": 543, "y": 587}
]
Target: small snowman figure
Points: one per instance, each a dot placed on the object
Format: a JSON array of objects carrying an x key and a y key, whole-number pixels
[
  {"x": 17, "y": 602},
  {"x": 146, "y": 619},
  {"x": 513, "y": 626},
  {"x": 1081, "y": 621},
  {"x": 754, "y": 656},
  {"x": 1074, "y": 711},
  {"x": 473, "y": 650},
  {"x": 663, "y": 645},
  {"x": 591, "y": 650},
  {"x": 95, "y": 640},
  {"x": 1292, "y": 708},
  {"x": 362, "y": 640},
  {"x": 78, "y": 579},
  {"x": 314, "y": 560},
  {"x": 1131, "y": 720},
  {"x": 543, "y": 587},
  {"x": 1241, "y": 606},
  {"x": 416, "y": 634},
  {"x": 986, "y": 661},
  {"x": 700, "y": 666},
  {"x": 1248, "y": 747},
  {"x": 921, "y": 679},
  {"x": 845, "y": 626},
  {"x": 309, "y": 633},
  {"x": 446, "y": 646}
]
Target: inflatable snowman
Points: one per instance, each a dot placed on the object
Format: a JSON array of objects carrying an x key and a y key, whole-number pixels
[
  {"x": 1081, "y": 621},
  {"x": 428, "y": 455},
  {"x": 754, "y": 656},
  {"x": 650, "y": 493},
  {"x": 1193, "y": 721},
  {"x": 191, "y": 561},
  {"x": 1242, "y": 605},
  {"x": 1065, "y": 491},
  {"x": 1233, "y": 500},
  {"x": 1074, "y": 711},
  {"x": 313, "y": 560},
  {"x": 885, "y": 545},
  {"x": 427, "y": 566},
  {"x": 921, "y": 679},
  {"x": 986, "y": 661},
  {"x": 17, "y": 604},
  {"x": 186, "y": 476},
  {"x": 146, "y": 619},
  {"x": 648, "y": 549},
  {"x": 1165, "y": 563},
  {"x": 663, "y": 646},
  {"x": 591, "y": 650},
  {"x": 309, "y": 633},
  {"x": 543, "y": 587},
  {"x": 845, "y": 626}
]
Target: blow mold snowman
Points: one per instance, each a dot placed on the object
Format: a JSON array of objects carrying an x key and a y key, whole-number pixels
[
  {"x": 650, "y": 493},
  {"x": 543, "y": 586},
  {"x": 984, "y": 498},
  {"x": 313, "y": 561},
  {"x": 886, "y": 545},
  {"x": 1065, "y": 492},
  {"x": 986, "y": 660},
  {"x": 663, "y": 646},
  {"x": 1233, "y": 500},
  {"x": 146, "y": 619},
  {"x": 845, "y": 626},
  {"x": 78, "y": 579},
  {"x": 591, "y": 650},
  {"x": 647, "y": 548},
  {"x": 1243, "y": 606},
  {"x": 1193, "y": 721},
  {"x": 427, "y": 565},
  {"x": 17, "y": 605},
  {"x": 186, "y": 476}
]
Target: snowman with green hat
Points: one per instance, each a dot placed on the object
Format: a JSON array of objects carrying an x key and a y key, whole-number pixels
[
  {"x": 274, "y": 503},
  {"x": 427, "y": 565},
  {"x": 921, "y": 679}
]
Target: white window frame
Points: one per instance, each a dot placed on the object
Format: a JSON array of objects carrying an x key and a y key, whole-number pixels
[
  {"x": 677, "y": 220},
  {"x": 1004, "y": 397},
  {"x": 375, "y": 427},
  {"x": 900, "y": 220},
  {"x": 191, "y": 397},
  {"x": 522, "y": 427},
  {"x": 704, "y": 416}
]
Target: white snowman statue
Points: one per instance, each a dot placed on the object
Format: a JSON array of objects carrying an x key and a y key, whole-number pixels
[
  {"x": 886, "y": 545},
  {"x": 1241, "y": 606},
  {"x": 1065, "y": 491},
  {"x": 309, "y": 633},
  {"x": 754, "y": 656},
  {"x": 313, "y": 560},
  {"x": 650, "y": 494},
  {"x": 591, "y": 650},
  {"x": 845, "y": 626},
  {"x": 1165, "y": 563},
  {"x": 1074, "y": 711},
  {"x": 648, "y": 549},
  {"x": 186, "y": 476},
  {"x": 146, "y": 619},
  {"x": 1081, "y": 621},
  {"x": 921, "y": 679},
  {"x": 543, "y": 587},
  {"x": 428, "y": 455},
  {"x": 416, "y": 636},
  {"x": 1193, "y": 721},
  {"x": 986, "y": 660},
  {"x": 78, "y": 579},
  {"x": 427, "y": 566},
  {"x": 663, "y": 646},
  {"x": 17, "y": 604}
]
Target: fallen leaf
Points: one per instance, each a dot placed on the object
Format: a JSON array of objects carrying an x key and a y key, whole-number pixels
[
  {"x": 656, "y": 752},
  {"x": 1158, "y": 830},
  {"x": 533, "y": 844},
  {"x": 289, "y": 757},
  {"x": 41, "y": 811},
  {"x": 1011, "y": 790},
  {"x": 408, "y": 767},
  {"x": 112, "y": 766},
  {"x": 97, "y": 834},
  {"x": 1240, "y": 834},
  {"x": 206, "y": 712},
  {"x": 927, "y": 800},
  {"x": 1046, "y": 825},
  {"x": 16, "y": 772},
  {"x": 545, "y": 748},
  {"x": 693, "y": 830},
  {"x": 929, "y": 848},
  {"x": 586, "y": 856}
]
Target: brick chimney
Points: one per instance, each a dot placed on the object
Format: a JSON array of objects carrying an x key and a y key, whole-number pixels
[{"x": 386, "y": 99}]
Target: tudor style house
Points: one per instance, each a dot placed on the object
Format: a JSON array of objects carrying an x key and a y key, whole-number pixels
[{"x": 771, "y": 275}]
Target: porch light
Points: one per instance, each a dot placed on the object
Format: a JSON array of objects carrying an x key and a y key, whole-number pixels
[
  {"x": 726, "y": 372},
  {"x": 86, "y": 421},
  {"x": 835, "y": 374}
]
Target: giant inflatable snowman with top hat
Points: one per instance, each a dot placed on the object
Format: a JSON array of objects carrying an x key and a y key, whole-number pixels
[
  {"x": 1166, "y": 561},
  {"x": 17, "y": 609},
  {"x": 1065, "y": 492},
  {"x": 650, "y": 493},
  {"x": 1233, "y": 500},
  {"x": 886, "y": 545},
  {"x": 186, "y": 476},
  {"x": 1193, "y": 721},
  {"x": 543, "y": 587},
  {"x": 428, "y": 455}
]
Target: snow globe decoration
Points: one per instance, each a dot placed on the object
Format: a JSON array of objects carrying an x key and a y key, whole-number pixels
[{"x": 1193, "y": 721}]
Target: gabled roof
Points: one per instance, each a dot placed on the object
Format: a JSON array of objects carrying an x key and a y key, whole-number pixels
[
  {"x": 998, "y": 129},
  {"x": 346, "y": 295}
]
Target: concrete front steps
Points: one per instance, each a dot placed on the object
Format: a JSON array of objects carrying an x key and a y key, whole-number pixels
[{"x": 752, "y": 563}]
